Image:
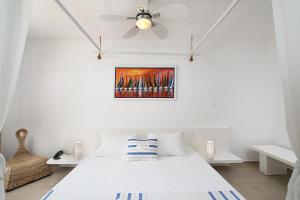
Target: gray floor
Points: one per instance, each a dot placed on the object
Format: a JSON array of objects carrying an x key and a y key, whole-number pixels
[
  {"x": 244, "y": 177},
  {"x": 254, "y": 185},
  {"x": 36, "y": 190}
]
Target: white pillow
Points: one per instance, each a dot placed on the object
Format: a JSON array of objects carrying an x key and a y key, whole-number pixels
[
  {"x": 141, "y": 149},
  {"x": 169, "y": 144},
  {"x": 112, "y": 144}
]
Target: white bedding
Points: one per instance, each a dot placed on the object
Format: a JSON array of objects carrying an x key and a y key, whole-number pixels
[{"x": 103, "y": 177}]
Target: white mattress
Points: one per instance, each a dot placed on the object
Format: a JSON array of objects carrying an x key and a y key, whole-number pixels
[{"x": 96, "y": 178}]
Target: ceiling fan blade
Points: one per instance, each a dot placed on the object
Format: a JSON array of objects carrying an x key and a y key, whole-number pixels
[
  {"x": 155, "y": 15},
  {"x": 173, "y": 11},
  {"x": 132, "y": 32},
  {"x": 114, "y": 17},
  {"x": 159, "y": 30}
]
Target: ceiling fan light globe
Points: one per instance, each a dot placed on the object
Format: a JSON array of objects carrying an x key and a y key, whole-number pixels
[{"x": 143, "y": 23}]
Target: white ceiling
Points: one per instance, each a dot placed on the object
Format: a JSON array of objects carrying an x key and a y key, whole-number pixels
[{"x": 250, "y": 19}]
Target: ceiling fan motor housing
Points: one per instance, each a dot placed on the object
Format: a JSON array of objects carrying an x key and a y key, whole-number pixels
[
  {"x": 144, "y": 15},
  {"x": 143, "y": 20}
]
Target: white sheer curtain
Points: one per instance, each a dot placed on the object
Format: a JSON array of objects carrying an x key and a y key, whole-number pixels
[
  {"x": 287, "y": 27},
  {"x": 2, "y": 170},
  {"x": 14, "y": 23}
]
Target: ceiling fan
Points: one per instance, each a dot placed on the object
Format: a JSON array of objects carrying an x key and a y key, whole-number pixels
[{"x": 145, "y": 20}]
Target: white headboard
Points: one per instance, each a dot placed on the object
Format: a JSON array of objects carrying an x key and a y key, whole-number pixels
[{"x": 195, "y": 137}]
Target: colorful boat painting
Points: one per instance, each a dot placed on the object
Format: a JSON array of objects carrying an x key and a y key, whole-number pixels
[{"x": 144, "y": 82}]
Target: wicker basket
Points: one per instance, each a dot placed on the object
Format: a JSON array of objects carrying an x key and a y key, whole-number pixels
[{"x": 24, "y": 167}]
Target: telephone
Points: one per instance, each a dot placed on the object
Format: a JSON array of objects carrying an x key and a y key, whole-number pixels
[{"x": 57, "y": 155}]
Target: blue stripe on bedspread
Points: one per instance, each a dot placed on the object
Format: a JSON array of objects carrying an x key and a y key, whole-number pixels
[
  {"x": 129, "y": 196},
  {"x": 233, "y": 194},
  {"x": 223, "y": 195},
  {"x": 48, "y": 195},
  {"x": 140, "y": 196},
  {"x": 212, "y": 196}
]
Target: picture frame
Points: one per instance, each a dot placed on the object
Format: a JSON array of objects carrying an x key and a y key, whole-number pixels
[{"x": 143, "y": 82}]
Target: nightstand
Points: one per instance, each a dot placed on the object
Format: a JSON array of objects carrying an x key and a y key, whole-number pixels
[{"x": 65, "y": 160}]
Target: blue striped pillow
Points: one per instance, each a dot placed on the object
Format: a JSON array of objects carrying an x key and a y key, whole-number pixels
[{"x": 141, "y": 149}]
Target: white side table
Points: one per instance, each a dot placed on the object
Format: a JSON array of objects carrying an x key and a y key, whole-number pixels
[{"x": 64, "y": 161}]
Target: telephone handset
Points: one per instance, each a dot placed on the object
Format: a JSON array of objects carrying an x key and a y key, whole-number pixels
[{"x": 57, "y": 155}]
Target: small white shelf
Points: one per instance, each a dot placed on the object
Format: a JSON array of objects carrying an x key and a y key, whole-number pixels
[
  {"x": 224, "y": 158},
  {"x": 64, "y": 161}
]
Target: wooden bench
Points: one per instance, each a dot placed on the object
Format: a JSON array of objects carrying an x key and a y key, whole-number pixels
[{"x": 274, "y": 159}]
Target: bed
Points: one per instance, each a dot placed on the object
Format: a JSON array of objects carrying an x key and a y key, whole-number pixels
[{"x": 187, "y": 177}]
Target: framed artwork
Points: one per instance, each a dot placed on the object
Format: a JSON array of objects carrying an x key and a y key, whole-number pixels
[{"x": 145, "y": 82}]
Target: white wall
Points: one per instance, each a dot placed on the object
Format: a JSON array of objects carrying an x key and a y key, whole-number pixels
[
  {"x": 62, "y": 85},
  {"x": 278, "y": 129},
  {"x": 243, "y": 85}
]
